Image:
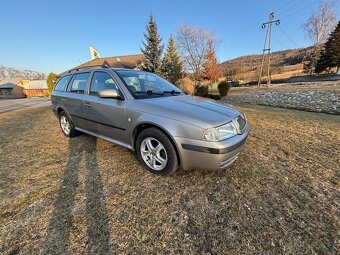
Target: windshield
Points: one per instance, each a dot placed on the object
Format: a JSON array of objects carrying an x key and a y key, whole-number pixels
[{"x": 143, "y": 84}]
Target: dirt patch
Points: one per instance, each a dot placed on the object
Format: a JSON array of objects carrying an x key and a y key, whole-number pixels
[{"x": 86, "y": 195}]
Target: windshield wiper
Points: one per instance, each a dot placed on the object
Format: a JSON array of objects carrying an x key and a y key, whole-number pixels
[
  {"x": 149, "y": 92},
  {"x": 172, "y": 92}
]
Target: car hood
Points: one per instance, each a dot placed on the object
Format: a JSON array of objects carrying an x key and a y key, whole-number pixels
[{"x": 197, "y": 111}]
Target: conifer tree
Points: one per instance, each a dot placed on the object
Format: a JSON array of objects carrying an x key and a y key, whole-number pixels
[
  {"x": 172, "y": 67},
  {"x": 152, "y": 47},
  {"x": 330, "y": 56}
]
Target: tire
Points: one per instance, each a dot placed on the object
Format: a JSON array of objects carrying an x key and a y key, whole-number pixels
[
  {"x": 64, "y": 121},
  {"x": 156, "y": 152}
]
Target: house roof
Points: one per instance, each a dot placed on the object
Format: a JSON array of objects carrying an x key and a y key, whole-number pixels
[
  {"x": 14, "y": 80},
  {"x": 128, "y": 61},
  {"x": 36, "y": 84},
  {"x": 7, "y": 85}
]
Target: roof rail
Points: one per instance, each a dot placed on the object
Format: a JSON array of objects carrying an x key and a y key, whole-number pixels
[{"x": 87, "y": 67}]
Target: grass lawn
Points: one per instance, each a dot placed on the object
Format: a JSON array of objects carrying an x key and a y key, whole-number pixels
[{"x": 85, "y": 195}]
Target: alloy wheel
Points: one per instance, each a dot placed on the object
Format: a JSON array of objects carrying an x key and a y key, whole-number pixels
[
  {"x": 153, "y": 153},
  {"x": 65, "y": 125}
]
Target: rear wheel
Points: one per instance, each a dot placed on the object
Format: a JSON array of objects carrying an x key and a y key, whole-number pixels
[
  {"x": 156, "y": 152},
  {"x": 66, "y": 125}
]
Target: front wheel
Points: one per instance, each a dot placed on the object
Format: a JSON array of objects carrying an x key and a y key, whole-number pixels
[{"x": 156, "y": 152}]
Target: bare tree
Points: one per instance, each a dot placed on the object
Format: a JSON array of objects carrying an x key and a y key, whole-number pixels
[
  {"x": 321, "y": 23},
  {"x": 2, "y": 72},
  {"x": 10, "y": 72},
  {"x": 193, "y": 43}
]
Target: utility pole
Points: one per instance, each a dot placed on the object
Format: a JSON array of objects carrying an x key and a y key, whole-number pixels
[{"x": 267, "y": 25}]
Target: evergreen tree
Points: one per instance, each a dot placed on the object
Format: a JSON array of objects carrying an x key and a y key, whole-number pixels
[
  {"x": 212, "y": 69},
  {"x": 330, "y": 56},
  {"x": 172, "y": 67},
  {"x": 152, "y": 47},
  {"x": 312, "y": 59}
]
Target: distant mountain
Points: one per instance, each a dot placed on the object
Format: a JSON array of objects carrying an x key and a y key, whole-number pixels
[{"x": 247, "y": 67}]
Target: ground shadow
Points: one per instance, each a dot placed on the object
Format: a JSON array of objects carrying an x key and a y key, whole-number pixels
[{"x": 81, "y": 149}]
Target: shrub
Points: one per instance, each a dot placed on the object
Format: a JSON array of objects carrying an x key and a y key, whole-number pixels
[
  {"x": 201, "y": 91},
  {"x": 223, "y": 88},
  {"x": 187, "y": 85}
]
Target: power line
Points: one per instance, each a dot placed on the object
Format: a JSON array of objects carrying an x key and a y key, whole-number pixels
[
  {"x": 293, "y": 13},
  {"x": 289, "y": 38},
  {"x": 288, "y": 7},
  {"x": 280, "y": 42}
]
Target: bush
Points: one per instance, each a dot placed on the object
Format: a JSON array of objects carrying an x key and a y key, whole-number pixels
[
  {"x": 187, "y": 85},
  {"x": 201, "y": 91},
  {"x": 223, "y": 88}
]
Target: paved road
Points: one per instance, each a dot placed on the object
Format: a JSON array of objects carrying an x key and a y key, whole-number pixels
[{"x": 14, "y": 104}]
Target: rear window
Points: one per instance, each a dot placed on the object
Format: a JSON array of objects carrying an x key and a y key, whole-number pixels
[
  {"x": 62, "y": 83},
  {"x": 79, "y": 82}
]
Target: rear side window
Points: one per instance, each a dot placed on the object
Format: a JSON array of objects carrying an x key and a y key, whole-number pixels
[
  {"x": 101, "y": 81},
  {"x": 78, "y": 83},
  {"x": 62, "y": 83}
]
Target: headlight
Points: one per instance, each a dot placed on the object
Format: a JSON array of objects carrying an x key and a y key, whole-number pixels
[{"x": 220, "y": 133}]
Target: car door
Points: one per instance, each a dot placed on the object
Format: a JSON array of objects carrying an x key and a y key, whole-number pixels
[
  {"x": 74, "y": 97},
  {"x": 106, "y": 116},
  {"x": 59, "y": 92}
]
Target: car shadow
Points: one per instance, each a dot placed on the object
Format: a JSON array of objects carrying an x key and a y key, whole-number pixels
[{"x": 82, "y": 152}]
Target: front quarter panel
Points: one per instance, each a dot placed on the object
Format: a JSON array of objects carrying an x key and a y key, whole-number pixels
[{"x": 172, "y": 127}]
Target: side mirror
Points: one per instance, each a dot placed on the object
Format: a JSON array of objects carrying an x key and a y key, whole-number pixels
[{"x": 109, "y": 93}]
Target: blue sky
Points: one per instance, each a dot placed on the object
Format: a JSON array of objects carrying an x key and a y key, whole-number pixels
[{"x": 55, "y": 35}]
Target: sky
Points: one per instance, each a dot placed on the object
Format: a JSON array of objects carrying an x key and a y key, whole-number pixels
[{"x": 53, "y": 36}]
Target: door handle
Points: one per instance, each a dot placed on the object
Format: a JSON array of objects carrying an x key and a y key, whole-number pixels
[{"x": 64, "y": 100}]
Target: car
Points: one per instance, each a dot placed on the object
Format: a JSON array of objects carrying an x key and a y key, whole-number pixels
[{"x": 145, "y": 113}]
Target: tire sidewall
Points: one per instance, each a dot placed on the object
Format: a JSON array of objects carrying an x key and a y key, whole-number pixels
[
  {"x": 172, "y": 163},
  {"x": 72, "y": 130}
]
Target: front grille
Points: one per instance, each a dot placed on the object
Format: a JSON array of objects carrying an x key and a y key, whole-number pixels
[{"x": 241, "y": 122}]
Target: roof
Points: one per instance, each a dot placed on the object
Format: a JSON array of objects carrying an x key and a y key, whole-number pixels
[
  {"x": 14, "y": 80},
  {"x": 128, "y": 61},
  {"x": 37, "y": 84},
  {"x": 7, "y": 85}
]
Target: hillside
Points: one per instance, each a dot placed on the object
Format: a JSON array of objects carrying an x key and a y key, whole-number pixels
[{"x": 285, "y": 64}]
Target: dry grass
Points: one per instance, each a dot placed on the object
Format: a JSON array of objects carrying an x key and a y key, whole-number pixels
[{"x": 86, "y": 195}]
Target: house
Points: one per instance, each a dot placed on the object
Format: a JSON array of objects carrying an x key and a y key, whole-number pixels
[
  {"x": 128, "y": 61},
  {"x": 12, "y": 87},
  {"x": 36, "y": 88}
]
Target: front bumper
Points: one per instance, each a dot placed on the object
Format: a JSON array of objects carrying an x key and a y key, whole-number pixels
[{"x": 200, "y": 154}]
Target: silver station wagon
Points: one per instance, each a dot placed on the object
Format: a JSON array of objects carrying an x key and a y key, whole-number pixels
[{"x": 145, "y": 113}]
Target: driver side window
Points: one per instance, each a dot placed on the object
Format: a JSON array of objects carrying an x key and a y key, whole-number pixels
[{"x": 101, "y": 81}]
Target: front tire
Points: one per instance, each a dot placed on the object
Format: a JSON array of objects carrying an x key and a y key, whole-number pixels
[
  {"x": 156, "y": 152},
  {"x": 66, "y": 125}
]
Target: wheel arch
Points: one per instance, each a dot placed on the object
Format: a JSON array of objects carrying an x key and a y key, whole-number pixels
[{"x": 142, "y": 126}]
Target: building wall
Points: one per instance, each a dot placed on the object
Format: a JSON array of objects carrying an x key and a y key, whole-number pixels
[
  {"x": 36, "y": 92},
  {"x": 16, "y": 92},
  {"x": 6, "y": 93},
  {"x": 23, "y": 83}
]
